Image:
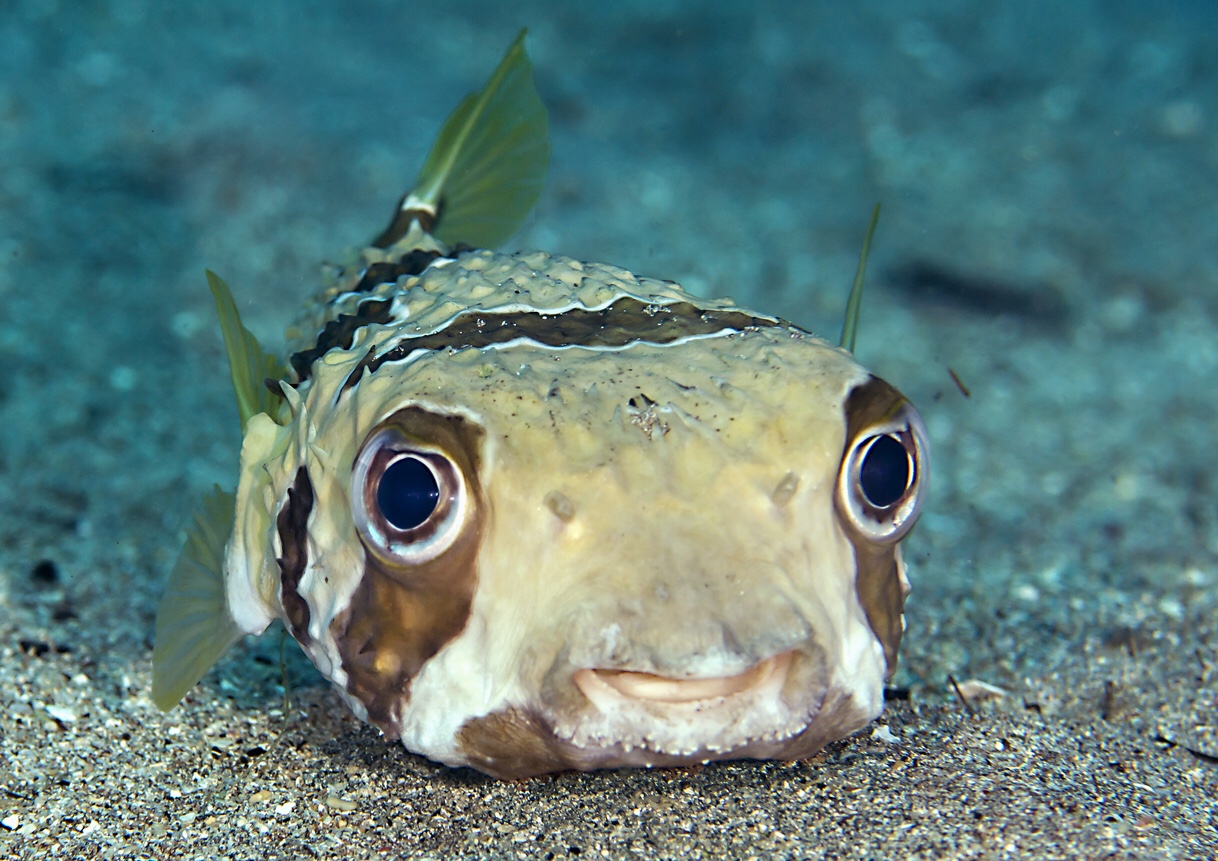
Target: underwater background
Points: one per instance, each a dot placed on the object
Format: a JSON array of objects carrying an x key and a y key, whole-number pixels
[{"x": 1043, "y": 285}]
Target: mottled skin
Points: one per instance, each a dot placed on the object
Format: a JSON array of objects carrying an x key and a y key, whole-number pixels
[{"x": 668, "y": 509}]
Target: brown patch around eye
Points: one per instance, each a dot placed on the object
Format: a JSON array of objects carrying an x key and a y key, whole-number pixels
[
  {"x": 878, "y": 576},
  {"x": 293, "y": 526},
  {"x": 878, "y": 582},
  {"x": 402, "y": 615}
]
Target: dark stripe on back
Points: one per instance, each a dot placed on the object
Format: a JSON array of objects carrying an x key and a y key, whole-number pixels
[
  {"x": 340, "y": 332},
  {"x": 626, "y": 321},
  {"x": 293, "y": 526},
  {"x": 388, "y": 271}
]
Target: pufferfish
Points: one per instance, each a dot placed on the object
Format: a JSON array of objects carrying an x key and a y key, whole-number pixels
[{"x": 530, "y": 514}]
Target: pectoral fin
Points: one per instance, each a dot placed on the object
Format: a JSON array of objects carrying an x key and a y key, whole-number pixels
[
  {"x": 193, "y": 625},
  {"x": 248, "y": 364}
]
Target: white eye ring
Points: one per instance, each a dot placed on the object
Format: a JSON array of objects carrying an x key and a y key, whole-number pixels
[
  {"x": 434, "y": 517},
  {"x": 878, "y": 491}
]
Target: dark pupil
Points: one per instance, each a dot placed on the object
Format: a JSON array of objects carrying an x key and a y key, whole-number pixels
[
  {"x": 885, "y": 473},
  {"x": 407, "y": 494}
]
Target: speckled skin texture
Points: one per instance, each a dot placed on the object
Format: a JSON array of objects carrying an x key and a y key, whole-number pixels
[{"x": 673, "y": 555}]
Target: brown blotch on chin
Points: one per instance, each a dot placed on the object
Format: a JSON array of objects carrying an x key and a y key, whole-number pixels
[
  {"x": 511, "y": 744},
  {"x": 401, "y": 616},
  {"x": 878, "y": 578},
  {"x": 515, "y": 743},
  {"x": 293, "y": 525}
]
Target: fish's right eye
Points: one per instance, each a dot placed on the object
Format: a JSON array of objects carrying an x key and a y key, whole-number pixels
[
  {"x": 410, "y": 500},
  {"x": 408, "y": 493}
]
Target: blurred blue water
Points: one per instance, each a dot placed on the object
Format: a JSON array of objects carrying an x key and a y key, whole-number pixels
[{"x": 1047, "y": 171}]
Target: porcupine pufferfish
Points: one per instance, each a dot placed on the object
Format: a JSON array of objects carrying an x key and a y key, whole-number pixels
[{"x": 531, "y": 514}]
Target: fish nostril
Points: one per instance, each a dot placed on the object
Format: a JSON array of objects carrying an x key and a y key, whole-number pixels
[{"x": 560, "y": 505}]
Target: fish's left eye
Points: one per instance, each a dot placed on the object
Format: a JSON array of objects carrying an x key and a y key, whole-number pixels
[
  {"x": 409, "y": 498},
  {"x": 883, "y": 477}
]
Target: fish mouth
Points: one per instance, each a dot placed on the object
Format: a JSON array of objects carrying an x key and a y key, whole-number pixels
[
  {"x": 785, "y": 706},
  {"x": 609, "y": 689}
]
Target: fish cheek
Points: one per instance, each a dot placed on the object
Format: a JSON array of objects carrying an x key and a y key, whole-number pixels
[{"x": 399, "y": 616}]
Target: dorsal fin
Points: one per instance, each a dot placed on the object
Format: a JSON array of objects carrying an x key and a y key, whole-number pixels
[{"x": 485, "y": 170}]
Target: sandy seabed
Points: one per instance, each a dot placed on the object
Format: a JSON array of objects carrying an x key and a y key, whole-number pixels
[{"x": 1047, "y": 172}]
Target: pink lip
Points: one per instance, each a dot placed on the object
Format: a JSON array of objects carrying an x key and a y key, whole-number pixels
[{"x": 602, "y": 687}]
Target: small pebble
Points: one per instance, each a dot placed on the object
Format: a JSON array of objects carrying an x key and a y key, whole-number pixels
[
  {"x": 1027, "y": 593},
  {"x": 61, "y": 714},
  {"x": 45, "y": 572},
  {"x": 884, "y": 734},
  {"x": 343, "y": 804},
  {"x": 975, "y": 690}
]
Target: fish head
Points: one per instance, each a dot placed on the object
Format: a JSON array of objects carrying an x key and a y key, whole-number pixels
[{"x": 530, "y": 557}]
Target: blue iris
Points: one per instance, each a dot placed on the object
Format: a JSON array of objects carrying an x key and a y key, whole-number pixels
[
  {"x": 884, "y": 476},
  {"x": 407, "y": 493}
]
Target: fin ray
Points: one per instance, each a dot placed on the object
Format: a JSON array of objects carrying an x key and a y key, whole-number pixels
[{"x": 850, "y": 326}]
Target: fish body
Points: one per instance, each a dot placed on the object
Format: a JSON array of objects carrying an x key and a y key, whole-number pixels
[{"x": 530, "y": 514}]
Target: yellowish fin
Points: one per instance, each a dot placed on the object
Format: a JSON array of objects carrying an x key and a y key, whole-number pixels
[
  {"x": 193, "y": 626},
  {"x": 851, "y": 325},
  {"x": 486, "y": 169},
  {"x": 248, "y": 364}
]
